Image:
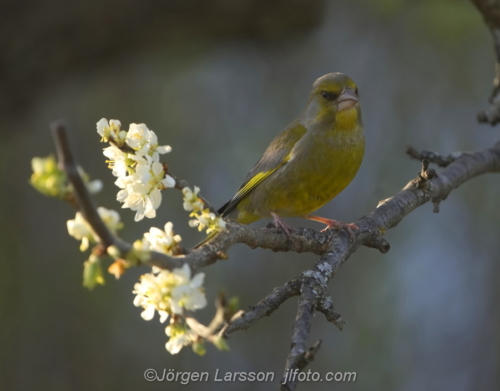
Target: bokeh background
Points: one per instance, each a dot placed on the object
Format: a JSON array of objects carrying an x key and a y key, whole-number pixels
[{"x": 217, "y": 80}]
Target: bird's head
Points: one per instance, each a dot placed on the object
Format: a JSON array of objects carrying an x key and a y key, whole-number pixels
[{"x": 334, "y": 98}]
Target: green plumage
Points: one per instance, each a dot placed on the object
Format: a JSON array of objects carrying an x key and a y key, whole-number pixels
[{"x": 310, "y": 162}]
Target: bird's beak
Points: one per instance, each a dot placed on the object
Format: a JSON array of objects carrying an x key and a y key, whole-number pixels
[{"x": 347, "y": 100}]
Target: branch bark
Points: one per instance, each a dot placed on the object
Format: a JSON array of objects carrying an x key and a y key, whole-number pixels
[{"x": 300, "y": 333}]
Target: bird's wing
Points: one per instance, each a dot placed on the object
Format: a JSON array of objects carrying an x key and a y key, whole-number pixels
[{"x": 276, "y": 155}]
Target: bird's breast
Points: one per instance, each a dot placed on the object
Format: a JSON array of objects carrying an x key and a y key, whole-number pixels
[{"x": 321, "y": 166}]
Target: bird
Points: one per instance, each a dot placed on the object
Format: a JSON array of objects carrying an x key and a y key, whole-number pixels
[{"x": 308, "y": 164}]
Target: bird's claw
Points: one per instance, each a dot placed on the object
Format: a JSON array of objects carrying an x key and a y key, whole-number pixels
[
  {"x": 340, "y": 225},
  {"x": 280, "y": 224},
  {"x": 335, "y": 224}
]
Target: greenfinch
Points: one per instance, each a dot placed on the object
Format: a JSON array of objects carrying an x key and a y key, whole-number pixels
[{"x": 309, "y": 163}]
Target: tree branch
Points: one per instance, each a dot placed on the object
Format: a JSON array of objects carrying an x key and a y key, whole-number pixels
[
  {"x": 372, "y": 226},
  {"x": 433, "y": 157},
  {"x": 265, "y": 307},
  {"x": 388, "y": 214},
  {"x": 334, "y": 246},
  {"x": 490, "y": 10}
]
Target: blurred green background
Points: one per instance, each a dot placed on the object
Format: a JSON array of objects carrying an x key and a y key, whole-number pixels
[{"x": 217, "y": 80}]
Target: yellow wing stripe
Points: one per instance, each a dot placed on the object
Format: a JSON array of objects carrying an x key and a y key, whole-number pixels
[{"x": 251, "y": 184}]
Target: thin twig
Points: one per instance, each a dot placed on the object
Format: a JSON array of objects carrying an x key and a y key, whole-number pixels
[
  {"x": 433, "y": 157},
  {"x": 265, "y": 307},
  {"x": 325, "y": 305},
  {"x": 83, "y": 199}
]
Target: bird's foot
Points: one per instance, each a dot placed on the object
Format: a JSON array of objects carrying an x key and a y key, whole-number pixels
[
  {"x": 335, "y": 224},
  {"x": 280, "y": 224},
  {"x": 340, "y": 225}
]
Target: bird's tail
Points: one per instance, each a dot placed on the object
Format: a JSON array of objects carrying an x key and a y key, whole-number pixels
[{"x": 208, "y": 238}]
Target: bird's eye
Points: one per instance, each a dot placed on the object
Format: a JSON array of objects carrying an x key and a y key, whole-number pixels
[
  {"x": 329, "y": 95},
  {"x": 356, "y": 91}
]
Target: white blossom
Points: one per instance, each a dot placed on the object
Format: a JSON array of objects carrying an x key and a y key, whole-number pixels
[
  {"x": 94, "y": 186},
  {"x": 162, "y": 241},
  {"x": 80, "y": 230},
  {"x": 179, "y": 337},
  {"x": 138, "y": 196},
  {"x": 118, "y": 160},
  {"x": 203, "y": 218},
  {"x": 110, "y": 130},
  {"x": 169, "y": 293},
  {"x": 206, "y": 219},
  {"x": 138, "y": 138},
  {"x": 191, "y": 199},
  {"x": 141, "y": 189},
  {"x": 168, "y": 181},
  {"x": 189, "y": 294},
  {"x": 164, "y": 149}
]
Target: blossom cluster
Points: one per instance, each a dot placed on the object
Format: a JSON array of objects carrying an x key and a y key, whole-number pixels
[
  {"x": 134, "y": 157},
  {"x": 170, "y": 293},
  {"x": 203, "y": 218},
  {"x": 80, "y": 229},
  {"x": 50, "y": 180}
]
